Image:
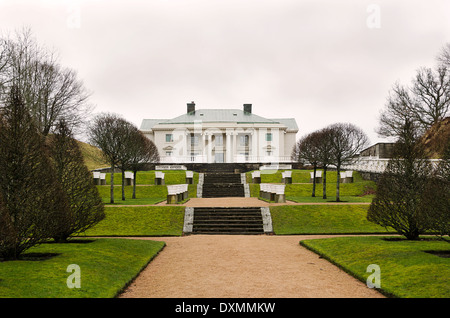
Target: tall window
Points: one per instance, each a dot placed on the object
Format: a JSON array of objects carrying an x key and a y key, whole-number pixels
[
  {"x": 169, "y": 138},
  {"x": 244, "y": 140},
  {"x": 269, "y": 137},
  {"x": 194, "y": 140},
  {"x": 219, "y": 140}
]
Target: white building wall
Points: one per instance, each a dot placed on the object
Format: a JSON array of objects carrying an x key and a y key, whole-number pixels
[{"x": 180, "y": 147}]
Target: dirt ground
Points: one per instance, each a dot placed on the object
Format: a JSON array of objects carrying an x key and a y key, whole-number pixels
[{"x": 242, "y": 266}]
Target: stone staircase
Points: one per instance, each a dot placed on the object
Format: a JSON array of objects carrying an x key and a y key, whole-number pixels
[
  {"x": 232, "y": 220},
  {"x": 219, "y": 185}
]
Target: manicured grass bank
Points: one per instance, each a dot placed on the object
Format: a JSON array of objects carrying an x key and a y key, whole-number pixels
[
  {"x": 148, "y": 177},
  {"x": 144, "y": 194},
  {"x": 406, "y": 268},
  {"x": 322, "y": 219},
  {"x": 106, "y": 267},
  {"x": 140, "y": 221}
]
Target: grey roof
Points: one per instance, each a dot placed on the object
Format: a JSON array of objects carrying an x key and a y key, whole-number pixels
[
  {"x": 148, "y": 124},
  {"x": 290, "y": 123},
  {"x": 219, "y": 116}
]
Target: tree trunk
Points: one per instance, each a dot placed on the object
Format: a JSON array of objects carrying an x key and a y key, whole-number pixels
[
  {"x": 134, "y": 184},
  {"x": 324, "y": 180},
  {"x": 314, "y": 182},
  {"x": 123, "y": 184},
  {"x": 112, "y": 184},
  {"x": 338, "y": 183}
]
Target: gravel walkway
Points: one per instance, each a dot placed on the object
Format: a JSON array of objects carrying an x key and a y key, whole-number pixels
[{"x": 242, "y": 266}]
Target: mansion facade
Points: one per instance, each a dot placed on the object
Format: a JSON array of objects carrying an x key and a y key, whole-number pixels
[{"x": 222, "y": 136}]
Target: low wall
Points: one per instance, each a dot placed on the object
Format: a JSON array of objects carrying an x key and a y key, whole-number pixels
[{"x": 219, "y": 167}]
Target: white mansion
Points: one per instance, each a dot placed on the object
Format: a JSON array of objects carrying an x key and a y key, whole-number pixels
[{"x": 222, "y": 136}]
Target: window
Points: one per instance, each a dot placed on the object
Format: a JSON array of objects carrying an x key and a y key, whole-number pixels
[
  {"x": 194, "y": 140},
  {"x": 168, "y": 153},
  {"x": 219, "y": 140},
  {"x": 268, "y": 153},
  {"x": 269, "y": 137},
  {"x": 244, "y": 140},
  {"x": 169, "y": 138}
]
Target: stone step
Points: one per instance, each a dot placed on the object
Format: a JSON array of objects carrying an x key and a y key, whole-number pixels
[{"x": 223, "y": 220}]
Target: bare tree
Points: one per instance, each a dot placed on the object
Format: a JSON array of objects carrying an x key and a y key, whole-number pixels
[
  {"x": 34, "y": 205},
  {"x": 50, "y": 91},
  {"x": 437, "y": 196},
  {"x": 432, "y": 95},
  {"x": 400, "y": 200},
  {"x": 85, "y": 204},
  {"x": 142, "y": 151},
  {"x": 347, "y": 140},
  {"x": 398, "y": 109},
  {"x": 444, "y": 56},
  {"x": 426, "y": 101},
  {"x": 325, "y": 154},
  {"x": 307, "y": 149},
  {"x": 129, "y": 133},
  {"x": 107, "y": 133}
]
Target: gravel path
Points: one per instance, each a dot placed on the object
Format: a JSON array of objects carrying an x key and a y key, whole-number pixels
[{"x": 242, "y": 266}]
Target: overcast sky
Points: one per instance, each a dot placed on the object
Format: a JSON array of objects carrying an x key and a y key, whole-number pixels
[{"x": 320, "y": 62}]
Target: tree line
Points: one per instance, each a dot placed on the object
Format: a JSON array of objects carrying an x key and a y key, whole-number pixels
[
  {"x": 46, "y": 190},
  {"x": 123, "y": 146},
  {"x": 413, "y": 196},
  {"x": 335, "y": 145}
]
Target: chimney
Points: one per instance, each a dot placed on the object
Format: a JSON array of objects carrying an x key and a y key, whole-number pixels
[
  {"x": 248, "y": 108},
  {"x": 191, "y": 107}
]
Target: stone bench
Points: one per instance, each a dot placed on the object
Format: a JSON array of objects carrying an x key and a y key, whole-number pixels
[
  {"x": 318, "y": 177},
  {"x": 177, "y": 193},
  {"x": 272, "y": 192},
  {"x": 159, "y": 178},
  {"x": 189, "y": 177},
  {"x": 129, "y": 177},
  {"x": 286, "y": 177},
  {"x": 347, "y": 177},
  {"x": 99, "y": 178},
  {"x": 256, "y": 177},
  {"x": 170, "y": 167}
]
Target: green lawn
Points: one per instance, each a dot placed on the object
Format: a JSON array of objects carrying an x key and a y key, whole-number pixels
[
  {"x": 140, "y": 221},
  {"x": 322, "y": 219},
  {"x": 106, "y": 267},
  {"x": 298, "y": 176},
  {"x": 148, "y": 177},
  {"x": 301, "y": 190},
  {"x": 407, "y": 270},
  {"x": 144, "y": 194}
]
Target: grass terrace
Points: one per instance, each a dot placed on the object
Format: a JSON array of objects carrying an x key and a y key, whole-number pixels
[
  {"x": 418, "y": 269},
  {"x": 147, "y": 193},
  {"x": 140, "y": 221},
  {"x": 107, "y": 266},
  {"x": 323, "y": 219},
  {"x": 301, "y": 189}
]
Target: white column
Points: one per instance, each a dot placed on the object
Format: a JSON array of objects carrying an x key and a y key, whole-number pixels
[
  {"x": 254, "y": 151},
  {"x": 228, "y": 146},
  {"x": 209, "y": 149},
  {"x": 234, "y": 153},
  {"x": 204, "y": 147},
  {"x": 184, "y": 150}
]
